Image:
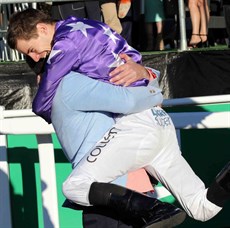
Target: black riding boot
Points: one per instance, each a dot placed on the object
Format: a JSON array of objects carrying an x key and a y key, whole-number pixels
[
  {"x": 219, "y": 192},
  {"x": 152, "y": 212}
]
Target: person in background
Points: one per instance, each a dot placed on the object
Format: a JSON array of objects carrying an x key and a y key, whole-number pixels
[
  {"x": 126, "y": 18},
  {"x": 154, "y": 14},
  {"x": 84, "y": 9},
  {"x": 118, "y": 16},
  {"x": 200, "y": 15},
  {"x": 123, "y": 7},
  {"x": 110, "y": 14},
  {"x": 101, "y": 10},
  {"x": 226, "y": 8}
]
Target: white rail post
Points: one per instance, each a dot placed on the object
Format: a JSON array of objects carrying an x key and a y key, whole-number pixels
[{"x": 48, "y": 181}]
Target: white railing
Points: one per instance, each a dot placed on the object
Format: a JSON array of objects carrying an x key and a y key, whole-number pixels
[
  {"x": 215, "y": 99},
  {"x": 25, "y": 122},
  {"x": 20, "y": 122}
]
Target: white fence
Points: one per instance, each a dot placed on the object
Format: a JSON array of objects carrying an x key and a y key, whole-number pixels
[{"x": 20, "y": 122}]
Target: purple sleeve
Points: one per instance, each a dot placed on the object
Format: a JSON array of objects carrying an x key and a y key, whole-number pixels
[{"x": 62, "y": 58}]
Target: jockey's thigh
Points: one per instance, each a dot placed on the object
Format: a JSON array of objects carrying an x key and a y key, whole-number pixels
[{"x": 132, "y": 143}]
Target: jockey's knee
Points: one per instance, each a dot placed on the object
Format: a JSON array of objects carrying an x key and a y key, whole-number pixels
[{"x": 76, "y": 189}]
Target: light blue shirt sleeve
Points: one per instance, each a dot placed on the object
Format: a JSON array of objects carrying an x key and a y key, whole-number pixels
[{"x": 86, "y": 94}]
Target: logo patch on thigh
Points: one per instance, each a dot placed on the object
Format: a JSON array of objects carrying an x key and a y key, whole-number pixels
[
  {"x": 98, "y": 149},
  {"x": 161, "y": 117}
]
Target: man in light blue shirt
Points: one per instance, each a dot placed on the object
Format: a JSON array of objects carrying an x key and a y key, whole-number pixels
[
  {"x": 137, "y": 139},
  {"x": 84, "y": 109}
]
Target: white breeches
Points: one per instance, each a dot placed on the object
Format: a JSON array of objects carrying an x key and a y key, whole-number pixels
[{"x": 148, "y": 140}]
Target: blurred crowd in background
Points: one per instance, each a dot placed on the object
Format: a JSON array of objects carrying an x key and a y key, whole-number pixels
[{"x": 153, "y": 25}]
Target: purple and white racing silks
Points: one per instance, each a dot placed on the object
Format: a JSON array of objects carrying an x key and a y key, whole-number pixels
[{"x": 85, "y": 46}]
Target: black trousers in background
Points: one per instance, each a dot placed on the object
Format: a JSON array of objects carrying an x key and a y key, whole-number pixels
[
  {"x": 83, "y": 9},
  {"x": 226, "y": 9}
]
